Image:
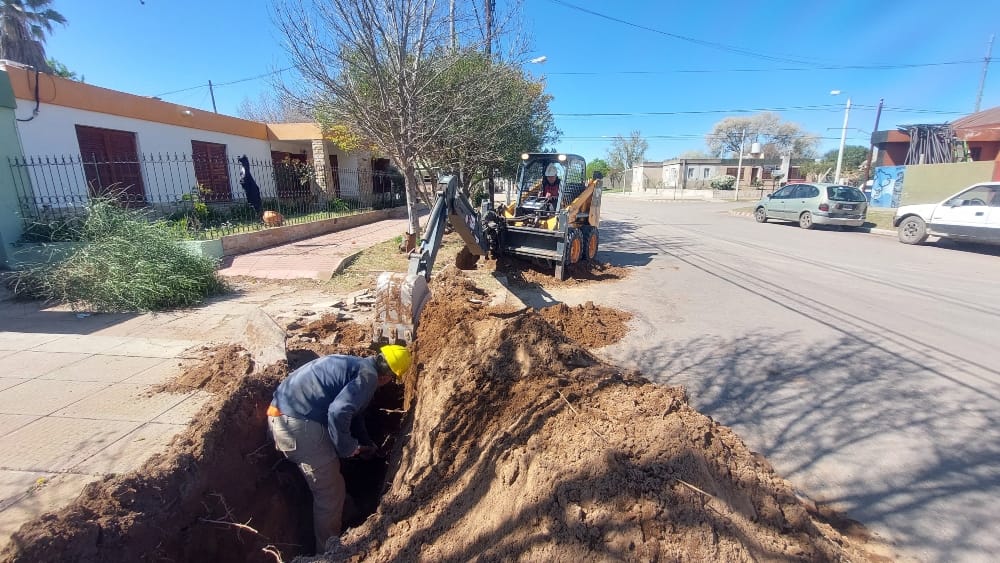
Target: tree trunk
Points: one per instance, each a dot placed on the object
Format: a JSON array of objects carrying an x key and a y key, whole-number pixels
[{"x": 410, "y": 174}]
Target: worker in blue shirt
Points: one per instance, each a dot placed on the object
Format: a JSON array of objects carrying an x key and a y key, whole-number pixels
[{"x": 317, "y": 417}]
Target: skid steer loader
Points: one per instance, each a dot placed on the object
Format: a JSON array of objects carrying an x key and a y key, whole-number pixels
[{"x": 557, "y": 231}]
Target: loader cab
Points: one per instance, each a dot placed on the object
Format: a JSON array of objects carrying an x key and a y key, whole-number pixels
[{"x": 571, "y": 172}]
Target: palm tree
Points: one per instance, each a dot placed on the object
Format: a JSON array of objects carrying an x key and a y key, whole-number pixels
[{"x": 23, "y": 25}]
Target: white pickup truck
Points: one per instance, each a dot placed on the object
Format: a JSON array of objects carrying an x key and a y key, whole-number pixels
[{"x": 971, "y": 215}]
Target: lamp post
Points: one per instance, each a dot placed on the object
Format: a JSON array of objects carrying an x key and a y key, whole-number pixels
[{"x": 843, "y": 135}]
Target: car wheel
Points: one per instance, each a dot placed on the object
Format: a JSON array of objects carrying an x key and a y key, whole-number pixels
[
  {"x": 760, "y": 214},
  {"x": 912, "y": 230},
  {"x": 806, "y": 220}
]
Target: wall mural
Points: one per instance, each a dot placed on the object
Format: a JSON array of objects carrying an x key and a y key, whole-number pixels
[{"x": 888, "y": 186}]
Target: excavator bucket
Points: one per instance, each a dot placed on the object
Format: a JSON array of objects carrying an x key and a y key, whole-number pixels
[{"x": 399, "y": 298}]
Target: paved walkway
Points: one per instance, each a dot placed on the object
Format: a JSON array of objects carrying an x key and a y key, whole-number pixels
[
  {"x": 74, "y": 400},
  {"x": 318, "y": 257}
]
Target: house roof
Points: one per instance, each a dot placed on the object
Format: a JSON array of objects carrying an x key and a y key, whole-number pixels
[{"x": 979, "y": 126}]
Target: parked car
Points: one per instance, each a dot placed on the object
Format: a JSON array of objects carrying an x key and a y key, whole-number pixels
[
  {"x": 811, "y": 204},
  {"x": 971, "y": 215}
]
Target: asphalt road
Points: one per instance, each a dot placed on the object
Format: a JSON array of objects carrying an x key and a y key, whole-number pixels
[{"x": 864, "y": 369}]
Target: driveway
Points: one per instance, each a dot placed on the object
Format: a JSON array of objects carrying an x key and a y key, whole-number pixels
[{"x": 864, "y": 369}]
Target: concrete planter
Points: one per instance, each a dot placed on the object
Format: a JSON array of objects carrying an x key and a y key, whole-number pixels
[
  {"x": 31, "y": 254},
  {"x": 26, "y": 255},
  {"x": 249, "y": 242}
]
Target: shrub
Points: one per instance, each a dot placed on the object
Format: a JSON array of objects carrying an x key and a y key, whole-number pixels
[
  {"x": 63, "y": 229},
  {"x": 337, "y": 205},
  {"x": 724, "y": 182},
  {"x": 126, "y": 264}
]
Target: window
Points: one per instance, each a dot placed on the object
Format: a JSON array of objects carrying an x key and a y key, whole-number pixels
[
  {"x": 977, "y": 195},
  {"x": 211, "y": 170},
  {"x": 690, "y": 172},
  {"x": 785, "y": 192},
  {"x": 731, "y": 172},
  {"x": 705, "y": 172},
  {"x": 111, "y": 163},
  {"x": 844, "y": 193}
]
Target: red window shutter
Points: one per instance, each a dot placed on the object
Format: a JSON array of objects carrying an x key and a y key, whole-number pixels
[{"x": 211, "y": 170}]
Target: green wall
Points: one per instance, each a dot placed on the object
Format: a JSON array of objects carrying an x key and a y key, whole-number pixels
[
  {"x": 10, "y": 145},
  {"x": 931, "y": 183}
]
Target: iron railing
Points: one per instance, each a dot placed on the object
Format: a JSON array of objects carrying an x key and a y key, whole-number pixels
[{"x": 200, "y": 197}]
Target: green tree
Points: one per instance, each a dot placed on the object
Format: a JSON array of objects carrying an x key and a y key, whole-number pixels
[
  {"x": 23, "y": 27},
  {"x": 63, "y": 71},
  {"x": 499, "y": 123},
  {"x": 775, "y": 136},
  {"x": 598, "y": 165},
  {"x": 855, "y": 156}
]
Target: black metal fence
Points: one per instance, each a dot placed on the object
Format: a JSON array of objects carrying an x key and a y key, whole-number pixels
[{"x": 200, "y": 197}]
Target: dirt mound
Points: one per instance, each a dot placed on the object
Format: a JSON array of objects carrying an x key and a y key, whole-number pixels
[
  {"x": 524, "y": 446},
  {"x": 526, "y": 274},
  {"x": 331, "y": 334},
  {"x": 219, "y": 367},
  {"x": 590, "y": 325},
  {"x": 187, "y": 503}
]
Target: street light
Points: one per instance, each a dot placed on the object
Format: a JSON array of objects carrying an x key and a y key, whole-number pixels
[{"x": 843, "y": 135}]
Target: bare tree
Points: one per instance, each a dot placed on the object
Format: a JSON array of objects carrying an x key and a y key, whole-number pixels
[
  {"x": 628, "y": 152},
  {"x": 386, "y": 72},
  {"x": 775, "y": 136},
  {"x": 272, "y": 107}
]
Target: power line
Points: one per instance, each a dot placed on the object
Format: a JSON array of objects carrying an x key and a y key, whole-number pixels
[
  {"x": 826, "y": 108},
  {"x": 257, "y": 77},
  {"x": 712, "y": 44},
  {"x": 751, "y": 70}
]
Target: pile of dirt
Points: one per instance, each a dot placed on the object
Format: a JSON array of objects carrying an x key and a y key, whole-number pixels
[
  {"x": 526, "y": 274},
  {"x": 331, "y": 334},
  {"x": 524, "y": 446},
  {"x": 218, "y": 493},
  {"x": 590, "y": 325},
  {"x": 218, "y": 367}
]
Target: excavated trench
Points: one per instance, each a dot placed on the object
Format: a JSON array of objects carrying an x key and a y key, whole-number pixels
[{"x": 508, "y": 440}]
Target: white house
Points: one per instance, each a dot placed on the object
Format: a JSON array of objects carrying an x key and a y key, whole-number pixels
[{"x": 78, "y": 139}]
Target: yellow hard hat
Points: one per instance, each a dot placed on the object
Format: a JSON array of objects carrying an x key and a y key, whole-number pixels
[{"x": 398, "y": 358}]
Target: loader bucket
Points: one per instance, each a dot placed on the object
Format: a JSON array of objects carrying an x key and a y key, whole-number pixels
[{"x": 399, "y": 298}]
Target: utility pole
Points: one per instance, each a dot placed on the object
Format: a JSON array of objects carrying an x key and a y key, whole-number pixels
[
  {"x": 871, "y": 145},
  {"x": 491, "y": 6},
  {"x": 739, "y": 167},
  {"x": 451, "y": 15},
  {"x": 986, "y": 66},
  {"x": 212, "y": 92}
]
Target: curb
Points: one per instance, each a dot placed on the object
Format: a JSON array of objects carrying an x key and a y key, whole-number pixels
[{"x": 869, "y": 230}]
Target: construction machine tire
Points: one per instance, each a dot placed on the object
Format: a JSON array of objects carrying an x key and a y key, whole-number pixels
[
  {"x": 466, "y": 260},
  {"x": 574, "y": 245},
  {"x": 590, "y": 242}
]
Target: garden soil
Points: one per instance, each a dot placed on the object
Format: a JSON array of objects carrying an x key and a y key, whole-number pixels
[{"x": 509, "y": 440}]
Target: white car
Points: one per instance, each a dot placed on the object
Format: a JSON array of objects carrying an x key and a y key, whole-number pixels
[{"x": 971, "y": 215}]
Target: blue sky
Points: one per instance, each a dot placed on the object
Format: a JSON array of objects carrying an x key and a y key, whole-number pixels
[{"x": 696, "y": 63}]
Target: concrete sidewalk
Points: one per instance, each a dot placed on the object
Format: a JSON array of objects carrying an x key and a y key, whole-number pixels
[
  {"x": 74, "y": 388},
  {"x": 317, "y": 257}
]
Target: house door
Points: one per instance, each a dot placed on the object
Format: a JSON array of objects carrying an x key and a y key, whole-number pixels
[
  {"x": 111, "y": 164},
  {"x": 335, "y": 171},
  {"x": 211, "y": 170}
]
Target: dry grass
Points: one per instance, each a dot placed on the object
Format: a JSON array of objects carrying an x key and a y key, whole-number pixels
[{"x": 362, "y": 270}]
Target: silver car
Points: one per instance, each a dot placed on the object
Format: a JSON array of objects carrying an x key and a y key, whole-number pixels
[{"x": 814, "y": 204}]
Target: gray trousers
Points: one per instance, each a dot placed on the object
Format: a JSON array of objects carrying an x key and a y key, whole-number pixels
[{"x": 307, "y": 444}]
